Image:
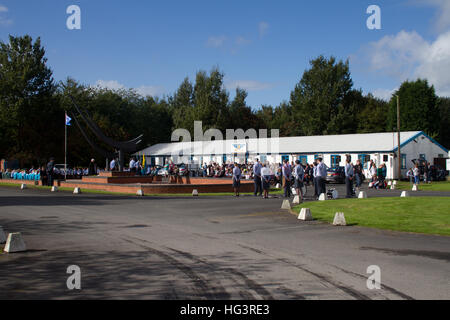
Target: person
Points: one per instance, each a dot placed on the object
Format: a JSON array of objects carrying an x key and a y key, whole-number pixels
[
  {"x": 373, "y": 170},
  {"x": 349, "y": 173},
  {"x": 257, "y": 178},
  {"x": 358, "y": 172},
  {"x": 287, "y": 176},
  {"x": 50, "y": 172},
  {"x": 410, "y": 175},
  {"x": 266, "y": 174},
  {"x": 236, "y": 179},
  {"x": 416, "y": 173},
  {"x": 43, "y": 173},
  {"x": 132, "y": 165},
  {"x": 321, "y": 173},
  {"x": 112, "y": 165},
  {"x": 92, "y": 171},
  {"x": 299, "y": 174},
  {"x": 426, "y": 172}
]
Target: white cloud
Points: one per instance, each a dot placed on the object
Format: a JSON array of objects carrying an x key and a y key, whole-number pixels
[
  {"x": 249, "y": 85},
  {"x": 3, "y": 19},
  {"x": 263, "y": 27},
  {"x": 384, "y": 94},
  {"x": 442, "y": 19},
  {"x": 142, "y": 90},
  {"x": 216, "y": 41},
  {"x": 240, "y": 41},
  {"x": 407, "y": 55}
]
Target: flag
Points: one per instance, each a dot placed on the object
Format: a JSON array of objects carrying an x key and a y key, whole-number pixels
[
  {"x": 143, "y": 161},
  {"x": 68, "y": 119}
]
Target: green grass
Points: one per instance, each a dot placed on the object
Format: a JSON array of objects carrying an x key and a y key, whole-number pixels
[
  {"x": 429, "y": 215},
  {"x": 434, "y": 186}
]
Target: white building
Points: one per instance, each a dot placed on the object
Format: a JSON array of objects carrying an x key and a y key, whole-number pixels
[{"x": 379, "y": 147}]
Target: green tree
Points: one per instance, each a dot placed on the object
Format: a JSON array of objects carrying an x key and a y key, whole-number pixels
[
  {"x": 444, "y": 122},
  {"x": 318, "y": 99},
  {"x": 28, "y": 111},
  {"x": 418, "y": 108}
]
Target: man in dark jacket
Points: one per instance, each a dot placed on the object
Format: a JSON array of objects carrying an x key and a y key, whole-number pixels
[
  {"x": 92, "y": 170},
  {"x": 50, "y": 173}
]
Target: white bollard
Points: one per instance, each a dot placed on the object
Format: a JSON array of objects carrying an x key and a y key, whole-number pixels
[
  {"x": 393, "y": 187},
  {"x": 15, "y": 243},
  {"x": 415, "y": 187},
  {"x": 339, "y": 219},
  {"x": 404, "y": 194},
  {"x": 296, "y": 200},
  {"x": 195, "y": 193},
  {"x": 23, "y": 186},
  {"x": 294, "y": 192},
  {"x": 394, "y": 182},
  {"x": 390, "y": 183},
  {"x": 140, "y": 193},
  {"x": 77, "y": 190},
  {"x": 286, "y": 205},
  {"x": 305, "y": 214},
  {"x": 2, "y": 235},
  {"x": 362, "y": 195},
  {"x": 278, "y": 186},
  {"x": 323, "y": 197},
  {"x": 54, "y": 189}
]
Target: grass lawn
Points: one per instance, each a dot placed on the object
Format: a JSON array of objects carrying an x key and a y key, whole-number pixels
[
  {"x": 430, "y": 215},
  {"x": 434, "y": 186}
]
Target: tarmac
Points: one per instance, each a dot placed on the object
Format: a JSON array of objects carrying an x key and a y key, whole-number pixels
[{"x": 211, "y": 247}]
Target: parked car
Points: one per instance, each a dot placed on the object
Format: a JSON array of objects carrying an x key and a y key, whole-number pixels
[
  {"x": 164, "y": 171},
  {"x": 335, "y": 175}
]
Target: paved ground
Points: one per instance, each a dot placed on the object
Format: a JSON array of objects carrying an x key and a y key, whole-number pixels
[{"x": 206, "y": 248}]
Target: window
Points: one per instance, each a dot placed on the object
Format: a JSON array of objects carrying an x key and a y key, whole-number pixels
[
  {"x": 316, "y": 156},
  {"x": 284, "y": 157},
  {"x": 335, "y": 160},
  {"x": 403, "y": 161},
  {"x": 422, "y": 156},
  {"x": 303, "y": 160},
  {"x": 440, "y": 155},
  {"x": 263, "y": 158},
  {"x": 385, "y": 158},
  {"x": 365, "y": 159}
]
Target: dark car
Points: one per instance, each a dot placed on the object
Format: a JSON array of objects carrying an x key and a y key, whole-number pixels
[{"x": 335, "y": 175}]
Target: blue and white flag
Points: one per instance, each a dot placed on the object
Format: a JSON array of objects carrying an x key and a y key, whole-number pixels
[{"x": 68, "y": 119}]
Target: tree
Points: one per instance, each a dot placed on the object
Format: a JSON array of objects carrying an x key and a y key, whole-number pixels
[
  {"x": 444, "y": 122},
  {"x": 318, "y": 99},
  {"x": 28, "y": 111},
  {"x": 373, "y": 116},
  {"x": 418, "y": 108}
]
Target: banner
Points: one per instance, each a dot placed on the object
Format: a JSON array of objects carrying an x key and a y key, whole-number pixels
[{"x": 239, "y": 148}]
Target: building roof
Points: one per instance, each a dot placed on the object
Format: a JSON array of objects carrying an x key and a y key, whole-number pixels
[{"x": 347, "y": 143}]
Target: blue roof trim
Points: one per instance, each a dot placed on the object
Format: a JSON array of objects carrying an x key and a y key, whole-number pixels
[{"x": 421, "y": 133}]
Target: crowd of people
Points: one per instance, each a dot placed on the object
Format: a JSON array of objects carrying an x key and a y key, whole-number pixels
[{"x": 49, "y": 173}]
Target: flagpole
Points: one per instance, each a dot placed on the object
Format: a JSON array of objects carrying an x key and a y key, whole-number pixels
[{"x": 65, "y": 148}]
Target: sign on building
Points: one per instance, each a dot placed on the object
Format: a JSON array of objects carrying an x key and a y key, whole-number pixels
[{"x": 239, "y": 148}]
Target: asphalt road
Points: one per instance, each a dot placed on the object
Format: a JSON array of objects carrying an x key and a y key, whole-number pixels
[{"x": 206, "y": 248}]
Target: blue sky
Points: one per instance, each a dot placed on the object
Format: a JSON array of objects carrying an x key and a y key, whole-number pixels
[{"x": 262, "y": 46}]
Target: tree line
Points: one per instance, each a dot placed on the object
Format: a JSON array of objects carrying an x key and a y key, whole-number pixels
[{"x": 324, "y": 101}]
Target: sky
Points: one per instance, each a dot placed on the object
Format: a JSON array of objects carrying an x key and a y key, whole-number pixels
[{"x": 261, "y": 46}]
